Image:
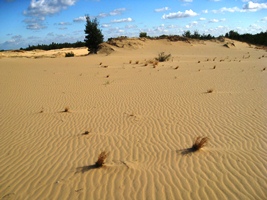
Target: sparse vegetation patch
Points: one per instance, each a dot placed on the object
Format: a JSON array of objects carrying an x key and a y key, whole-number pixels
[
  {"x": 162, "y": 57},
  {"x": 69, "y": 54}
]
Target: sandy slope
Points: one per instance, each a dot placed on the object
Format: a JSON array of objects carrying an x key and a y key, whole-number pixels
[{"x": 145, "y": 117}]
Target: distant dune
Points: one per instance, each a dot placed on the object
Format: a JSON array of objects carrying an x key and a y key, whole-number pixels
[{"x": 58, "y": 114}]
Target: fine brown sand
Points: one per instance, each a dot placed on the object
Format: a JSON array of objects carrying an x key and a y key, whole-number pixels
[{"x": 145, "y": 115}]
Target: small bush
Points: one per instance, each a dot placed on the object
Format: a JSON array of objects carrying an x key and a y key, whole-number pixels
[
  {"x": 162, "y": 57},
  {"x": 69, "y": 54}
]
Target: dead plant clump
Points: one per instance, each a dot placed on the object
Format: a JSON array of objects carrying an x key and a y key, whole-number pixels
[
  {"x": 101, "y": 159},
  {"x": 67, "y": 109},
  {"x": 209, "y": 91},
  {"x": 199, "y": 143}
]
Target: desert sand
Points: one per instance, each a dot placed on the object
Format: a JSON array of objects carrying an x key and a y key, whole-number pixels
[{"x": 145, "y": 114}]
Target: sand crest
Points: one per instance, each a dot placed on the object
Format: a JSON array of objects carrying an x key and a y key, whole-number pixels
[{"x": 146, "y": 115}]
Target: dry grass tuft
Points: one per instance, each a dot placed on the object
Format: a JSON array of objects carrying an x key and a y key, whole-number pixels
[
  {"x": 214, "y": 67},
  {"x": 101, "y": 159},
  {"x": 176, "y": 67},
  {"x": 130, "y": 61},
  {"x": 162, "y": 57},
  {"x": 137, "y": 62},
  {"x": 199, "y": 143},
  {"x": 263, "y": 69}
]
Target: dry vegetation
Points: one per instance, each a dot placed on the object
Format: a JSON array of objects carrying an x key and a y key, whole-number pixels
[
  {"x": 209, "y": 91},
  {"x": 67, "y": 109},
  {"x": 199, "y": 143},
  {"x": 101, "y": 159},
  {"x": 162, "y": 57}
]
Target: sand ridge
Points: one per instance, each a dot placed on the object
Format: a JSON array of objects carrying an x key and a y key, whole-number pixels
[{"x": 144, "y": 116}]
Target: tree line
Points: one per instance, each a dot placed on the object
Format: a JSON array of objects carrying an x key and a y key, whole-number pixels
[
  {"x": 94, "y": 37},
  {"x": 258, "y": 39},
  {"x": 54, "y": 45}
]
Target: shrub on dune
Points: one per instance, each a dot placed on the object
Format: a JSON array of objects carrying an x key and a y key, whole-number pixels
[
  {"x": 69, "y": 54},
  {"x": 162, "y": 57}
]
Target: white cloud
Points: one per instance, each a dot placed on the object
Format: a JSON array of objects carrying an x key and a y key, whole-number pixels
[
  {"x": 35, "y": 23},
  {"x": 13, "y": 43},
  {"x": 213, "y": 21},
  {"x": 194, "y": 23},
  {"x": 255, "y": 28},
  {"x": 202, "y": 19},
  {"x": 224, "y": 9},
  {"x": 187, "y": 13},
  {"x": 250, "y": 6},
  {"x": 63, "y": 24},
  {"x": 187, "y": 1},
  {"x": 39, "y": 9},
  {"x": 117, "y": 11},
  {"x": 254, "y": 6},
  {"x": 205, "y": 11},
  {"x": 47, "y": 7},
  {"x": 105, "y": 25},
  {"x": 264, "y": 19},
  {"x": 122, "y": 20},
  {"x": 162, "y": 9},
  {"x": 80, "y": 19},
  {"x": 114, "y": 12},
  {"x": 217, "y": 20}
]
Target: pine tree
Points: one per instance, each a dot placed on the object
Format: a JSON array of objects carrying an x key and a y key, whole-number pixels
[{"x": 93, "y": 36}]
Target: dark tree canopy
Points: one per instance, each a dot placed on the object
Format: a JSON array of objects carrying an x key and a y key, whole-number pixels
[
  {"x": 258, "y": 39},
  {"x": 93, "y": 35}
]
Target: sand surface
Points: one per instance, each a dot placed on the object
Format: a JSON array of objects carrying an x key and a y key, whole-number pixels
[{"x": 144, "y": 114}]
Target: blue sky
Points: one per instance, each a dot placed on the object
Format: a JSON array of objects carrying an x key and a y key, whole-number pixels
[{"x": 31, "y": 22}]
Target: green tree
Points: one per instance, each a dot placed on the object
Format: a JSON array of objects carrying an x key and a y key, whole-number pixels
[
  {"x": 187, "y": 34},
  {"x": 93, "y": 35},
  {"x": 196, "y": 35},
  {"x": 143, "y": 34}
]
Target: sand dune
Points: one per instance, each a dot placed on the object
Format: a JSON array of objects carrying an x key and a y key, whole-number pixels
[{"x": 145, "y": 116}]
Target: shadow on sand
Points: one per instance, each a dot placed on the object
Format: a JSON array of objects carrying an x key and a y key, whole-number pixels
[
  {"x": 186, "y": 152},
  {"x": 86, "y": 168}
]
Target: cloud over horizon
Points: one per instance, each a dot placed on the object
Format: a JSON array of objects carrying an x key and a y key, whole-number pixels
[
  {"x": 39, "y": 9},
  {"x": 187, "y": 13}
]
